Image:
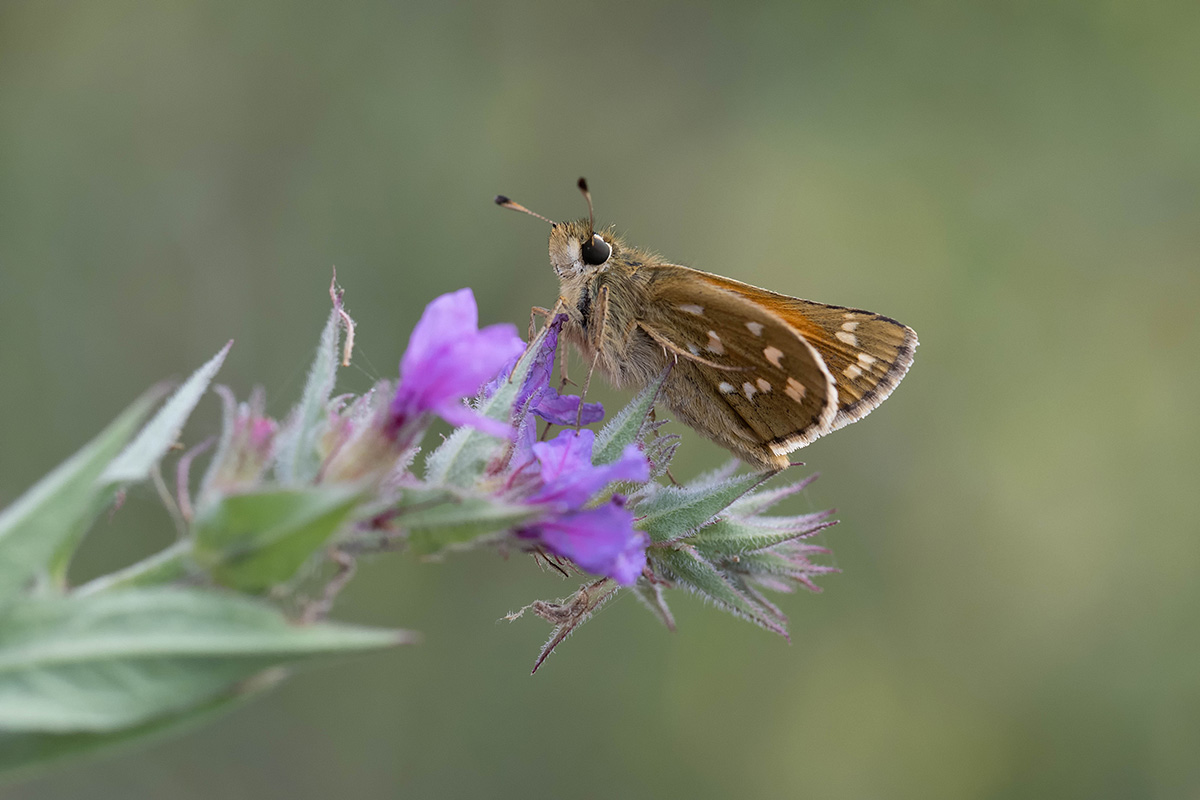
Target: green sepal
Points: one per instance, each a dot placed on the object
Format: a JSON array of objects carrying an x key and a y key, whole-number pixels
[
  {"x": 122, "y": 658},
  {"x": 628, "y": 426},
  {"x": 651, "y": 596},
  {"x": 444, "y": 520},
  {"x": 669, "y": 512},
  {"x": 737, "y": 536},
  {"x": 256, "y": 540},
  {"x": 685, "y": 567},
  {"x": 297, "y": 460},
  {"x": 760, "y": 500}
]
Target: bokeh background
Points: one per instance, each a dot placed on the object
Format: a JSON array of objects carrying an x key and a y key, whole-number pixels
[{"x": 1019, "y": 613}]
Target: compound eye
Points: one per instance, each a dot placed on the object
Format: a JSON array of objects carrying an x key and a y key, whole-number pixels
[{"x": 596, "y": 252}]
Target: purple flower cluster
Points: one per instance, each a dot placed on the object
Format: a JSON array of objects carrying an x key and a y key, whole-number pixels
[{"x": 449, "y": 358}]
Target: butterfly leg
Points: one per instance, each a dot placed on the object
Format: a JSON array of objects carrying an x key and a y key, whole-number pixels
[
  {"x": 544, "y": 313},
  {"x": 596, "y": 337},
  {"x": 671, "y": 347}
]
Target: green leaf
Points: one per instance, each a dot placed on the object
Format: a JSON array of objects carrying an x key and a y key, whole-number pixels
[
  {"x": 62, "y": 505},
  {"x": 139, "y": 456},
  {"x": 258, "y": 540},
  {"x": 688, "y": 569},
  {"x": 670, "y": 512},
  {"x": 298, "y": 460},
  {"x": 447, "y": 520},
  {"x": 118, "y": 659},
  {"x": 628, "y": 426},
  {"x": 461, "y": 459},
  {"x": 162, "y": 431},
  {"x": 23, "y": 755}
]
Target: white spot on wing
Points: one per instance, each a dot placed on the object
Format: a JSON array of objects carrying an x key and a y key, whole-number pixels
[
  {"x": 795, "y": 389},
  {"x": 693, "y": 349},
  {"x": 763, "y": 386},
  {"x": 726, "y": 388},
  {"x": 865, "y": 359},
  {"x": 755, "y": 327},
  {"x": 849, "y": 326},
  {"x": 691, "y": 308},
  {"x": 749, "y": 389},
  {"x": 852, "y": 371},
  {"x": 848, "y": 338},
  {"x": 714, "y": 344},
  {"x": 774, "y": 355}
]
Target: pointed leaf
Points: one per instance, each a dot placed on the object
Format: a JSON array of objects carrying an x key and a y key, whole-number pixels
[
  {"x": 628, "y": 426},
  {"x": 298, "y": 460},
  {"x": 25, "y": 754},
  {"x": 669, "y": 512},
  {"x": 258, "y": 540},
  {"x": 62, "y": 505},
  {"x": 117, "y": 659},
  {"x": 162, "y": 431}
]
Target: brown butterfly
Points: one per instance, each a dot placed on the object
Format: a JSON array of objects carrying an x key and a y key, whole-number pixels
[{"x": 760, "y": 373}]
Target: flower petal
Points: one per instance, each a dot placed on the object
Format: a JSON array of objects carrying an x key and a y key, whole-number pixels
[
  {"x": 600, "y": 540},
  {"x": 563, "y": 409},
  {"x": 447, "y": 318},
  {"x": 570, "y": 478}
]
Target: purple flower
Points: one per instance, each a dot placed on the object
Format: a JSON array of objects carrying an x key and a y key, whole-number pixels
[
  {"x": 600, "y": 540},
  {"x": 568, "y": 475},
  {"x": 449, "y": 358}
]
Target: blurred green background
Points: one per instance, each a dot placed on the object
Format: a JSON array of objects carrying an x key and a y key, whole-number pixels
[{"x": 1018, "y": 614}]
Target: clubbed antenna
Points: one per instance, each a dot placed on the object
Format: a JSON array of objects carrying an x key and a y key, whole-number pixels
[{"x": 501, "y": 200}]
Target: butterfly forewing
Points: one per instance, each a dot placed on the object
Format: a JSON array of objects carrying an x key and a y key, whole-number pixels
[
  {"x": 737, "y": 355},
  {"x": 867, "y": 354}
]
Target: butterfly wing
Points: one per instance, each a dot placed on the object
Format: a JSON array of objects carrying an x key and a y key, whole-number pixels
[
  {"x": 743, "y": 375},
  {"x": 867, "y": 354}
]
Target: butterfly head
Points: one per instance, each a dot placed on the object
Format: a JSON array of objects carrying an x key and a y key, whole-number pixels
[{"x": 575, "y": 248}]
